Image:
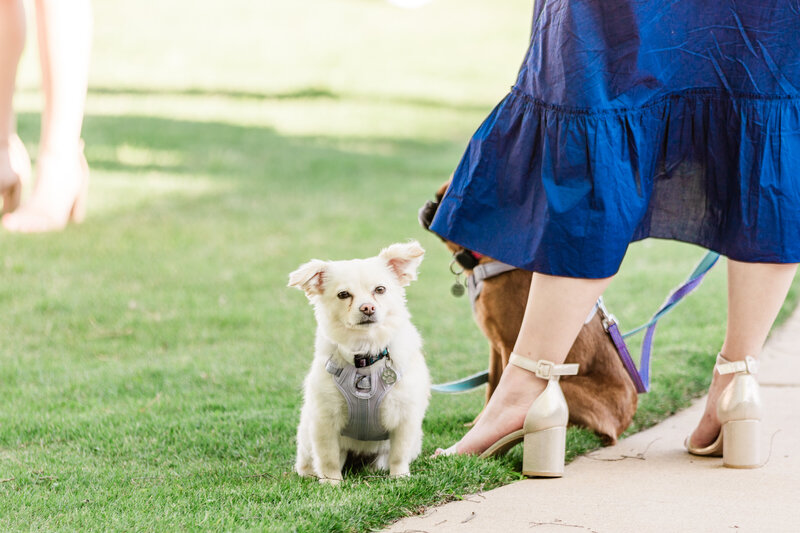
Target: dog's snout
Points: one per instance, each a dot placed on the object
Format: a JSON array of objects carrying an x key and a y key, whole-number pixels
[
  {"x": 367, "y": 309},
  {"x": 426, "y": 214}
]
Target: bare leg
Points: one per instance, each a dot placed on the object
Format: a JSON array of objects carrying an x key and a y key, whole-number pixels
[
  {"x": 64, "y": 35},
  {"x": 12, "y": 42},
  {"x": 755, "y": 294},
  {"x": 556, "y": 310}
]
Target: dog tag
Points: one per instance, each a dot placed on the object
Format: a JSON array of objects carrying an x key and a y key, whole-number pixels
[
  {"x": 388, "y": 376},
  {"x": 457, "y": 289}
]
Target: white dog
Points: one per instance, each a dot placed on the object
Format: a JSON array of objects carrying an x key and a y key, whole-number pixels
[{"x": 368, "y": 387}]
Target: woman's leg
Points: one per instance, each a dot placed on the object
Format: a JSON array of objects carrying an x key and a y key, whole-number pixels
[
  {"x": 556, "y": 310},
  {"x": 12, "y": 42},
  {"x": 756, "y": 292},
  {"x": 64, "y": 36}
]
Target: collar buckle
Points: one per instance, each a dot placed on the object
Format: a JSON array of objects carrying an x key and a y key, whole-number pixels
[{"x": 365, "y": 360}]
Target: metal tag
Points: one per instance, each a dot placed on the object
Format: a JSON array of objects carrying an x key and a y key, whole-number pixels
[
  {"x": 457, "y": 289},
  {"x": 388, "y": 376}
]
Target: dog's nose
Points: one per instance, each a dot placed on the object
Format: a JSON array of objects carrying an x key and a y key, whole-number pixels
[
  {"x": 426, "y": 214},
  {"x": 367, "y": 309}
]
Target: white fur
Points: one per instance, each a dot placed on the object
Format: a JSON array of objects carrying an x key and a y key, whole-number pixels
[{"x": 321, "y": 449}]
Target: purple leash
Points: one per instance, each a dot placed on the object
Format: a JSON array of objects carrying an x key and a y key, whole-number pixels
[{"x": 641, "y": 377}]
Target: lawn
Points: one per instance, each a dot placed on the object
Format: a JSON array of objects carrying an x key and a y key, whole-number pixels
[{"x": 152, "y": 357}]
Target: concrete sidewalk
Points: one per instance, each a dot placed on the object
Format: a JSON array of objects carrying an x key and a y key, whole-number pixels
[{"x": 648, "y": 483}]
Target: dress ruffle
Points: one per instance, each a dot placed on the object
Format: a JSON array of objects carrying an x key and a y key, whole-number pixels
[{"x": 563, "y": 191}]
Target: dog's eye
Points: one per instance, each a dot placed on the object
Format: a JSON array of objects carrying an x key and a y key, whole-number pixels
[
  {"x": 344, "y": 295},
  {"x": 380, "y": 289}
]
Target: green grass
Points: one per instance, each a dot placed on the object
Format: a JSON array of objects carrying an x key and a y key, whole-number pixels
[{"x": 152, "y": 358}]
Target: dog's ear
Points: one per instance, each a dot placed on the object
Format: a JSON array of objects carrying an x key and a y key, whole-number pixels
[
  {"x": 403, "y": 259},
  {"x": 309, "y": 277}
]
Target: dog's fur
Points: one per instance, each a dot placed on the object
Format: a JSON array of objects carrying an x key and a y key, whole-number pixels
[
  {"x": 601, "y": 397},
  {"x": 344, "y": 330}
]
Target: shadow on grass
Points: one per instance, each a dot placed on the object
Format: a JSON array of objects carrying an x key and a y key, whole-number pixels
[
  {"x": 305, "y": 93},
  {"x": 242, "y": 154},
  {"x": 209, "y": 169},
  {"x": 302, "y": 93}
]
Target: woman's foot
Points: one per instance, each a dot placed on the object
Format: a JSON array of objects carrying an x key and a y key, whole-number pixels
[
  {"x": 58, "y": 196},
  {"x": 708, "y": 428},
  {"x": 15, "y": 170},
  {"x": 504, "y": 413}
]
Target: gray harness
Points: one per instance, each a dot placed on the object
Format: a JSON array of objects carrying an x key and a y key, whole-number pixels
[
  {"x": 491, "y": 269},
  {"x": 364, "y": 390},
  {"x": 481, "y": 272}
]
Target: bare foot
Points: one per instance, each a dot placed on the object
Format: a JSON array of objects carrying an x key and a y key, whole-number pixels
[
  {"x": 8, "y": 174},
  {"x": 15, "y": 169},
  {"x": 58, "y": 196},
  {"x": 709, "y": 427},
  {"x": 505, "y": 412}
]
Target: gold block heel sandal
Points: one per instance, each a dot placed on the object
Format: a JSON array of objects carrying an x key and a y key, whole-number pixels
[
  {"x": 739, "y": 412},
  {"x": 544, "y": 431}
]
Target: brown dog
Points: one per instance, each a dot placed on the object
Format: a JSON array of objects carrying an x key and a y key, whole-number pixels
[{"x": 601, "y": 397}]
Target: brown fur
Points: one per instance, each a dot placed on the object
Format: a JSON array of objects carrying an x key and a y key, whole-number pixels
[{"x": 601, "y": 397}]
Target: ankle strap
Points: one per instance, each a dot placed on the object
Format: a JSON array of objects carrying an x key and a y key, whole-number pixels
[
  {"x": 543, "y": 369},
  {"x": 748, "y": 365}
]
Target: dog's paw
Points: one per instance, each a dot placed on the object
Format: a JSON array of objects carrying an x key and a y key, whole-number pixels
[
  {"x": 304, "y": 472},
  {"x": 330, "y": 481},
  {"x": 400, "y": 471}
]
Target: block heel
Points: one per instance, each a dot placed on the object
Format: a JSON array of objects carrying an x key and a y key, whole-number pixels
[
  {"x": 543, "y": 452},
  {"x": 741, "y": 444},
  {"x": 739, "y": 413}
]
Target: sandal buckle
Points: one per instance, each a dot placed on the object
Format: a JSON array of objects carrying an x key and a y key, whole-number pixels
[
  {"x": 544, "y": 369},
  {"x": 751, "y": 365}
]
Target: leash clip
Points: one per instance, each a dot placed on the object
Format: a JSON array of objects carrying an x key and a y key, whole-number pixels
[
  {"x": 608, "y": 321},
  {"x": 606, "y": 318}
]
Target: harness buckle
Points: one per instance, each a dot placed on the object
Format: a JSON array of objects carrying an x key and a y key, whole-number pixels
[{"x": 363, "y": 383}]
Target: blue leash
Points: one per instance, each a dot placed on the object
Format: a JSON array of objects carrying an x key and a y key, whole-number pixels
[
  {"x": 641, "y": 376},
  {"x": 464, "y": 384}
]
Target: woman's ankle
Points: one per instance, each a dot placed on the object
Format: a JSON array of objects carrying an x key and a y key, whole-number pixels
[
  {"x": 709, "y": 426},
  {"x": 14, "y": 161},
  {"x": 520, "y": 383}
]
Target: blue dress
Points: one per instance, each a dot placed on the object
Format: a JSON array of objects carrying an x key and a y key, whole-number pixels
[{"x": 676, "y": 119}]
